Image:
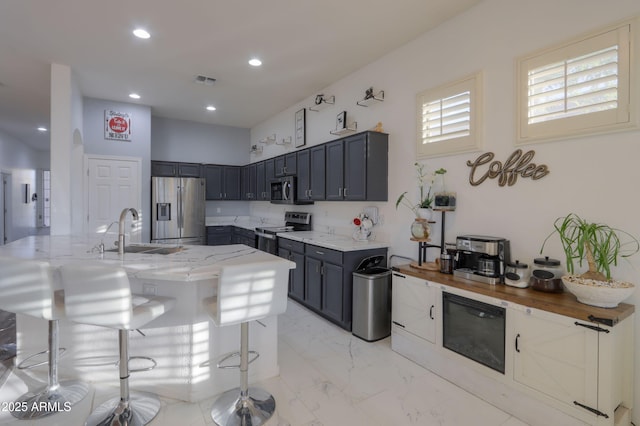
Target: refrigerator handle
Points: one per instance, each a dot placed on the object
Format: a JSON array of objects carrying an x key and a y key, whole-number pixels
[{"x": 180, "y": 218}]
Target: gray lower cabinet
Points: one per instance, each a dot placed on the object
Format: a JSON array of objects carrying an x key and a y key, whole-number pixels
[
  {"x": 226, "y": 234},
  {"x": 219, "y": 235},
  {"x": 294, "y": 251},
  {"x": 243, "y": 236},
  {"x": 324, "y": 282}
]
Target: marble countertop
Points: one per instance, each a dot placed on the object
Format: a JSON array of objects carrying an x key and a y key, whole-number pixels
[
  {"x": 193, "y": 263},
  {"x": 332, "y": 241},
  {"x": 250, "y": 223}
]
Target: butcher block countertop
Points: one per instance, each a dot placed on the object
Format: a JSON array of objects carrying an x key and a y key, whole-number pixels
[{"x": 558, "y": 303}]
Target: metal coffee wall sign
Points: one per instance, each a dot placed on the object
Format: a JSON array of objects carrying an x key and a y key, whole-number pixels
[
  {"x": 117, "y": 125},
  {"x": 518, "y": 164}
]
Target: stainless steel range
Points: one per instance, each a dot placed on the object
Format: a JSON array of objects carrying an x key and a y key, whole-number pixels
[{"x": 294, "y": 221}]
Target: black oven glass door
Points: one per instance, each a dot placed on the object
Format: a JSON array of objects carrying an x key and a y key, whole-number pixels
[{"x": 474, "y": 329}]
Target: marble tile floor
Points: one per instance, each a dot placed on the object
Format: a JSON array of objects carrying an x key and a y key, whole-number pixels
[{"x": 328, "y": 377}]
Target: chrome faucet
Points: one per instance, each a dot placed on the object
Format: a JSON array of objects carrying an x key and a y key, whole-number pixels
[{"x": 123, "y": 215}]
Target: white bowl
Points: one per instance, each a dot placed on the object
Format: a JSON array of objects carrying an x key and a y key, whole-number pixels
[{"x": 598, "y": 293}]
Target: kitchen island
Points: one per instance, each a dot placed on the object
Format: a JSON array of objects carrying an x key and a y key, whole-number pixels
[{"x": 184, "y": 342}]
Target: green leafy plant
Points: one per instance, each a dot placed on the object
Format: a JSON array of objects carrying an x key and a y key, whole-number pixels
[
  {"x": 597, "y": 244},
  {"x": 425, "y": 183}
]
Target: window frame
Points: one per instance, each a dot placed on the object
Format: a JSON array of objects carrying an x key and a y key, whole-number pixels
[
  {"x": 472, "y": 142},
  {"x": 623, "y": 117}
]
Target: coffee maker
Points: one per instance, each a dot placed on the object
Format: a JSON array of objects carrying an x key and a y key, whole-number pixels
[{"x": 481, "y": 258}]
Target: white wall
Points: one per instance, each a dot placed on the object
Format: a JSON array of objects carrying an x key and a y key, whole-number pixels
[
  {"x": 21, "y": 162},
  {"x": 186, "y": 141},
  {"x": 593, "y": 176},
  {"x": 138, "y": 146}
]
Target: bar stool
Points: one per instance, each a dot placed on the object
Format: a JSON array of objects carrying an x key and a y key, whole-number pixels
[
  {"x": 28, "y": 287},
  {"x": 246, "y": 293},
  {"x": 99, "y": 294}
]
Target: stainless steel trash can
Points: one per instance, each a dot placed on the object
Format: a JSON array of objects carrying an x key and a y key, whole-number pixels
[{"x": 371, "y": 307}]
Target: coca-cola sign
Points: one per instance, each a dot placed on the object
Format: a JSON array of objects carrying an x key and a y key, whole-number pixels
[{"x": 117, "y": 125}]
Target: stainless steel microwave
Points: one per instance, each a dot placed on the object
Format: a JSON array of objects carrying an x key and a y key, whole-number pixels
[{"x": 284, "y": 191}]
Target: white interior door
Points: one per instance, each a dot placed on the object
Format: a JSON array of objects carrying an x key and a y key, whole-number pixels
[{"x": 113, "y": 184}]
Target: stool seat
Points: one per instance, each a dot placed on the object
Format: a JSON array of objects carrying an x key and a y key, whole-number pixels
[
  {"x": 246, "y": 293},
  {"x": 99, "y": 294},
  {"x": 31, "y": 287}
]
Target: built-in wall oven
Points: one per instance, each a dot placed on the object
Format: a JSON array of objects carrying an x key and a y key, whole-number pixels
[
  {"x": 294, "y": 221},
  {"x": 474, "y": 329}
]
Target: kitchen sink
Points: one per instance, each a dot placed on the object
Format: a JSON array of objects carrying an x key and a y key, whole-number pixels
[{"x": 148, "y": 249}]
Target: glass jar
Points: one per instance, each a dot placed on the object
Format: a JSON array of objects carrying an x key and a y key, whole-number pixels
[{"x": 420, "y": 229}]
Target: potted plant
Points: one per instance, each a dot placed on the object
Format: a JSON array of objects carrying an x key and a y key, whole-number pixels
[
  {"x": 600, "y": 246},
  {"x": 422, "y": 209}
]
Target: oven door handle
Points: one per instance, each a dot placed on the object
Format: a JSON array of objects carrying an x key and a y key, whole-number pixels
[{"x": 264, "y": 235}]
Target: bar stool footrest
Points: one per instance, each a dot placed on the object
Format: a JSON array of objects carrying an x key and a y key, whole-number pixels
[
  {"x": 253, "y": 356},
  {"x": 137, "y": 370},
  {"x": 21, "y": 366}
]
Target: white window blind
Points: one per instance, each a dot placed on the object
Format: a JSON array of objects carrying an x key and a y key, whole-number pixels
[
  {"x": 580, "y": 87},
  {"x": 448, "y": 117}
]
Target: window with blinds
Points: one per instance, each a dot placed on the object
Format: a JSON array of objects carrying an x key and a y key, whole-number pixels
[
  {"x": 580, "y": 87},
  {"x": 448, "y": 118}
]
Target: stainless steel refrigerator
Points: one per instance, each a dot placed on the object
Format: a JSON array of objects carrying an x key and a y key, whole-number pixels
[{"x": 178, "y": 210}]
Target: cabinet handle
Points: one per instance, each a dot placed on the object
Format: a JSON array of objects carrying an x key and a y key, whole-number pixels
[
  {"x": 309, "y": 193},
  {"x": 398, "y": 275},
  {"x": 339, "y": 192},
  {"x": 593, "y": 410},
  {"x": 344, "y": 192},
  {"x": 221, "y": 195},
  {"x": 592, "y": 327},
  {"x": 319, "y": 252},
  {"x": 431, "y": 312},
  {"x": 398, "y": 324},
  {"x": 517, "y": 339}
]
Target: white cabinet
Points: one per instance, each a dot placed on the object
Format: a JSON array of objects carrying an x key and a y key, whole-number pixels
[
  {"x": 567, "y": 359},
  {"x": 413, "y": 306}
]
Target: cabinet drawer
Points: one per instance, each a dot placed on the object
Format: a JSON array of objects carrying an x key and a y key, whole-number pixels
[
  {"x": 324, "y": 254},
  {"x": 217, "y": 230},
  {"x": 288, "y": 244}
]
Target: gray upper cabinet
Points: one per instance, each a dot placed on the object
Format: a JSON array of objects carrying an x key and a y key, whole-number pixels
[
  {"x": 286, "y": 165},
  {"x": 173, "y": 169},
  {"x": 222, "y": 182},
  {"x": 357, "y": 168},
  {"x": 249, "y": 182},
  {"x": 311, "y": 173},
  {"x": 262, "y": 190}
]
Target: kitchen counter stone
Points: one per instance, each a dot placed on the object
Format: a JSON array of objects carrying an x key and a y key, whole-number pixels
[
  {"x": 186, "y": 344},
  {"x": 332, "y": 241}
]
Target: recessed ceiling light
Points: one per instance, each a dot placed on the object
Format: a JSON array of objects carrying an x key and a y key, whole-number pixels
[
  {"x": 134, "y": 96},
  {"x": 42, "y": 129},
  {"x": 255, "y": 62},
  {"x": 140, "y": 33},
  {"x": 211, "y": 108}
]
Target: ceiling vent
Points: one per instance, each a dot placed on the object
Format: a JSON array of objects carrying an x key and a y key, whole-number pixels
[{"x": 203, "y": 79}]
